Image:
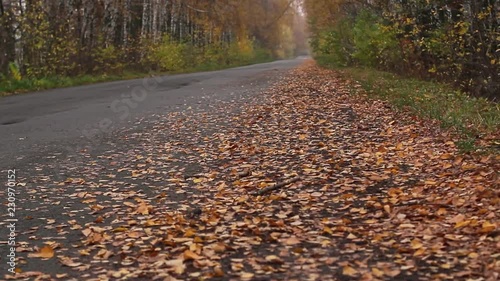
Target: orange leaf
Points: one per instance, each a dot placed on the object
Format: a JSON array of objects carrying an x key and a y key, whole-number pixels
[
  {"x": 188, "y": 255},
  {"x": 462, "y": 224},
  {"x": 189, "y": 233},
  {"x": 377, "y": 272},
  {"x": 349, "y": 271},
  {"x": 416, "y": 244},
  {"x": 45, "y": 252},
  {"x": 488, "y": 227}
]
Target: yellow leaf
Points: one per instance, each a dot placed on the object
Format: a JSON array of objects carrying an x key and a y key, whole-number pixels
[
  {"x": 463, "y": 29},
  {"x": 462, "y": 224},
  {"x": 488, "y": 227},
  {"x": 84, "y": 252},
  {"x": 45, "y": 252},
  {"x": 351, "y": 236},
  {"x": 120, "y": 229},
  {"x": 441, "y": 211},
  {"x": 246, "y": 275},
  {"x": 328, "y": 230},
  {"x": 197, "y": 180},
  {"x": 416, "y": 244},
  {"x": 446, "y": 266},
  {"x": 377, "y": 272},
  {"x": 419, "y": 252},
  {"x": 473, "y": 255},
  {"x": 273, "y": 259},
  {"x": 189, "y": 233},
  {"x": 407, "y": 225},
  {"x": 349, "y": 271},
  {"x": 188, "y": 255},
  {"x": 143, "y": 209},
  {"x": 380, "y": 161}
]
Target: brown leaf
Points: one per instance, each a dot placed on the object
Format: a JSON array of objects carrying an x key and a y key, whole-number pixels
[
  {"x": 349, "y": 271},
  {"x": 46, "y": 252},
  {"x": 189, "y": 255}
]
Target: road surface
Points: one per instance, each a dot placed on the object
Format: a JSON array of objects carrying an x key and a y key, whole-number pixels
[{"x": 35, "y": 125}]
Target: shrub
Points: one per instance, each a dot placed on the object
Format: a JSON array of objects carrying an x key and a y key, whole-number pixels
[
  {"x": 168, "y": 55},
  {"x": 375, "y": 43},
  {"x": 14, "y": 72},
  {"x": 108, "y": 60}
]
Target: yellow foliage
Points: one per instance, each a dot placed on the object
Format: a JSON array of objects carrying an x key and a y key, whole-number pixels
[{"x": 14, "y": 72}]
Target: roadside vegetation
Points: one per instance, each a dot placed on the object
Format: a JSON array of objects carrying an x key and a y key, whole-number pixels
[
  {"x": 51, "y": 44},
  {"x": 169, "y": 58},
  {"x": 475, "y": 120},
  {"x": 439, "y": 60}
]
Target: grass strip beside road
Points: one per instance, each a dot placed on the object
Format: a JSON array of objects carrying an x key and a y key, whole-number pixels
[
  {"x": 12, "y": 86},
  {"x": 476, "y": 121}
]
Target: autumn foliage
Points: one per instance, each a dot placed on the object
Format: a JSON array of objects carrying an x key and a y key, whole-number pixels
[
  {"x": 450, "y": 41},
  {"x": 68, "y": 38}
]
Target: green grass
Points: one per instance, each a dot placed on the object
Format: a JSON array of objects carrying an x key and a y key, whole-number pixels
[
  {"x": 468, "y": 117},
  {"x": 11, "y": 86}
]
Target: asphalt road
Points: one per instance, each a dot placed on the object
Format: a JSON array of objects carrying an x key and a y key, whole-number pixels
[
  {"x": 35, "y": 125},
  {"x": 51, "y": 136}
]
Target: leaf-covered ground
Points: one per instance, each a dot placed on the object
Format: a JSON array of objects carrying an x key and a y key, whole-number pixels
[{"x": 302, "y": 182}]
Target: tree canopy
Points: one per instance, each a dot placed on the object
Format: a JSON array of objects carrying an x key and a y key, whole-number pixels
[
  {"x": 40, "y": 38},
  {"x": 452, "y": 41}
]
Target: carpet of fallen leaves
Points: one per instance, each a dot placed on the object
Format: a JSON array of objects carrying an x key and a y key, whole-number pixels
[{"x": 305, "y": 181}]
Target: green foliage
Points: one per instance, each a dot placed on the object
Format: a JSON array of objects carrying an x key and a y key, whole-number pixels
[
  {"x": 167, "y": 55},
  {"x": 14, "y": 71},
  {"x": 375, "y": 44},
  {"x": 107, "y": 59},
  {"x": 8, "y": 87},
  {"x": 212, "y": 56},
  {"x": 240, "y": 52},
  {"x": 456, "y": 44},
  {"x": 48, "y": 39},
  {"x": 364, "y": 41},
  {"x": 336, "y": 44}
]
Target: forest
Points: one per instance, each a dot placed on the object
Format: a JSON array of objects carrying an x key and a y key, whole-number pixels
[
  {"x": 60, "y": 38},
  {"x": 456, "y": 42}
]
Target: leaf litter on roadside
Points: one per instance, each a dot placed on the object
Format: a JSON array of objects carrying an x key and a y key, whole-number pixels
[{"x": 302, "y": 182}]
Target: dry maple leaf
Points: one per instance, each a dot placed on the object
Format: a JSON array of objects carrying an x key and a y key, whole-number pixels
[
  {"x": 189, "y": 255},
  {"x": 45, "y": 252},
  {"x": 349, "y": 271}
]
